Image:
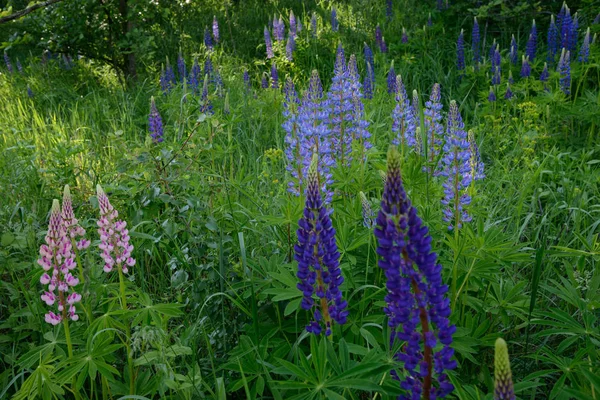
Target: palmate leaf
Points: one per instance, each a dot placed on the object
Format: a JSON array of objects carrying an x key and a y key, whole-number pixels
[{"x": 41, "y": 383}]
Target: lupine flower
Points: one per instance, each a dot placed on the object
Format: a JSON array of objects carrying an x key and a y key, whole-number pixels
[
  {"x": 429, "y": 21},
  {"x": 404, "y": 36},
  {"x": 247, "y": 83},
  {"x": 456, "y": 169},
  {"x": 294, "y": 137},
  {"x": 71, "y": 224},
  {"x": 525, "y": 68},
  {"x": 513, "y": 56},
  {"x": 384, "y": 48},
  {"x": 367, "y": 211},
  {"x": 208, "y": 42},
  {"x": 565, "y": 26},
  {"x": 503, "y": 384},
  {"x": 205, "y": 104},
  {"x": 289, "y": 48},
  {"x": 226, "y": 106},
  {"x": 389, "y": 10},
  {"x": 215, "y": 29},
  {"x": 170, "y": 74},
  {"x": 404, "y": 122},
  {"x": 532, "y": 42},
  {"x": 280, "y": 31},
  {"x": 334, "y": 20},
  {"x": 433, "y": 118},
  {"x": 264, "y": 83},
  {"x": 194, "y": 77},
  {"x": 298, "y": 26},
  {"x": 511, "y": 81},
  {"x": 268, "y": 43},
  {"x": 369, "y": 59},
  {"x": 155, "y": 125},
  {"x": 460, "y": 52},
  {"x": 19, "y": 66},
  {"x": 378, "y": 37},
  {"x": 292, "y": 24},
  {"x": 29, "y": 92},
  {"x": 114, "y": 237},
  {"x": 475, "y": 46},
  {"x": 440, "y": 4},
  {"x": 492, "y": 95},
  {"x": 475, "y": 163},
  {"x": 584, "y": 51},
  {"x": 417, "y": 306},
  {"x": 492, "y": 54},
  {"x": 415, "y": 104},
  {"x": 564, "y": 67},
  {"x": 368, "y": 83},
  {"x": 9, "y": 66},
  {"x": 58, "y": 260},
  {"x": 181, "y": 67},
  {"x": 313, "y": 24},
  {"x": 274, "y": 77},
  {"x": 596, "y": 20},
  {"x": 544, "y": 75},
  {"x": 497, "y": 67},
  {"x": 391, "y": 79},
  {"x": 318, "y": 260},
  {"x": 208, "y": 68},
  {"x": 509, "y": 94},
  {"x": 553, "y": 40}
]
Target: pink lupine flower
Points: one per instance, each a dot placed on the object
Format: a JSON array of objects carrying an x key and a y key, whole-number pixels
[
  {"x": 74, "y": 230},
  {"x": 57, "y": 260},
  {"x": 114, "y": 236}
]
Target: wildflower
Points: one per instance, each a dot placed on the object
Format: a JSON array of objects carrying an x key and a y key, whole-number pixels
[
  {"x": 574, "y": 34},
  {"x": 565, "y": 24},
  {"x": 564, "y": 67},
  {"x": 274, "y": 77},
  {"x": 205, "y": 104},
  {"x": 9, "y": 66},
  {"x": 510, "y": 78},
  {"x": 289, "y": 48},
  {"x": 208, "y": 68},
  {"x": 334, "y": 20},
  {"x": 71, "y": 224},
  {"x": 378, "y": 37},
  {"x": 29, "y": 92},
  {"x": 369, "y": 59},
  {"x": 525, "y": 68},
  {"x": 553, "y": 39},
  {"x": 475, "y": 164},
  {"x": 492, "y": 95},
  {"x": 208, "y": 42},
  {"x": 264, "y": 83},
  {"x": 509, "y": 94},
  {"x": 389, "y": 9},
  {"x": 181, "y": 67},
  {"x": 404, "y": 121},
  {"x": 433, "y": 117},
  {"x": 460, "y": 52},
  {"x": 155, "y": 125},
  {"x": 58, "y": 260},
  {"x": 215, "y": 29},
  {"x": 292, "y": 24},
  {"x": 415, "y": 104},
  {"x": 584, "y": 51},
  {"x": 503, "y": 384},
  {"x": 247, "y": 83},
  {"x": 404, "y": 36},
  {"x": 114, "y": 237},
  {"x": 368, "y": 83},
  {"x": 496, "y": 67},
  {"x": 391, "y": 79},
  {"x": 492, "y": 54},
  {"x": 193, "y": 78},
  {"x": 416, "y": 302},
  {"x": 513, "y": 56},
  {"x": 294, "y": 138},
  {"x": 475, "y": 46},
  {"x": 384, "y": 48},
  {"x": 268, "y": 43},
  {"x": 313, "y": 24},
  {"x": 19, "y": 66},
  {"x": 596, "y": 20},
  {"x": 318, "y": 260},
  {"x": 367, "y": 211},
  {"x": 280, "y": 30},
  {"x": 544, "y": 75},
  {"x": 532, "y": 42}
]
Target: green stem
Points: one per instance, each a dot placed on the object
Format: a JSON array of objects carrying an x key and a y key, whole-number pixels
[
  {"x": 127, "y": 331},
  {"x": 70, "y": 350}
]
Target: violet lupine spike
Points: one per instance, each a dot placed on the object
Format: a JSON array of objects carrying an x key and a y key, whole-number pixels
[
  {"x": 503, "y": 383},
  {"x": 74, "y": 231},
  {"x": 456, "y": 169},
  {"x": 404, "y": 123},
  {"x": 475, "y": 164},
  {"x": 292, "y": 24},
  {"x": 553, "y": 40},
  {"x": 492, "y": 54},
  {"x": 294, "y": 136},
  {"x": 289, "y": 48},
  {"x": 274, "y": 77},
  {"x": 384, "y": 48},
  {"x": 389, "y": 9},
  {"x": 525, "y": 68},
  {"x": 378, "y": 37},
  {"x": 318, "y": 261},
  {"x": 209, "y": 69},
  {"x": 564, "y": 67},
  {"x": 511, "y": 81},
  {"x": 497, "y": 67},
  {"x": 475, "y": 44},
  {"x": 299, "y": 26},
  {"x": 313, "y": 25},
  {"x": 491, "y": 95},
  {"x": 58, "y": 260},
  {"x": 416, "y": 303},
  {"x": 205, "y": 104},
  {"x": 368, "y": 83},
  {"x": 208, "y": 41},
  {"x": 566, "y": 27},
  {"x": 194, "y": 76},
  {"x": 514, "y": 50},
  {"x": 181, "y": 67},
  {"x": 369, "y": 58},
  {"x": 215, "y": 29},
  {"x": 247, "y": 83},
  {"x": 404, "y": 38},
  {"x": 545, "y": 74},
  {"x": 460, "y": 53},
  {"x": 335, "y": 26},
  {"x": 532, "y": 42},
  {"x": 9, "y": 66},
  {"x": 391, "y": 80},
  {"x": 596, "y": 20},
  {"x": 29, "y": 92},
  {"x": 114, "y": 237},
  {"x": 574, "y": 34},
  {"x": 280, "y": 35},
  {"x": 170, "y": 75},
  {"x": 584, "y": 51},
  {"x": 433, "y": 126},
  {"x": 264, "y": 83},
  {"x": 155, "y": 125},
  {"x": 268, "y": 44},
  {"x": 509, "y": 94}
]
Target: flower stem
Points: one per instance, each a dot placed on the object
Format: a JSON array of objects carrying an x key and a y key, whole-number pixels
[{"x": 127, "y": 331}]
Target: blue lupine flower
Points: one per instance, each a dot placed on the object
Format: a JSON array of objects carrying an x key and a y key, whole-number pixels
[
  {"x": 391, "y": 79},
  {"x": 29, "y": 92},
  {"x": 496, "y": 66},
  {"x": 509, "y": 94},
  {"x": 181, "y": 67},
  {"x": 416, "y": 303},
  {"x": 208, "y": 42},
  {"x": 264, "y": 83},
  {"x": 440, "y": 4},
  {"x": 584, "y": 51},
  {"x": 510, "y": 77},
  {"x": 389, "y": 10},
  {"x": 525, "y": 68},
  {"x": 492, "y": 95},
  {"x": 268, "y": 43},
  {"x": 492, "y": 54},
  {"x": 9, "y": 66},
  {"x": 564, "y": 67},
  {"x": 596, "y": 20},
  {"x": 318, "y": 260},
  {"x": 274, "y": 77},
  {"x": 404, "y": 121},
  {"x": 247, "y": 83},
  {"x": 298, "y": 26},
  {"x": 574, "y": 34},
  {"x": 384, "y": 48},
  {"x": 313, "y": 24},
  {"x": 475, "y": 44},
  {"x": 368, "y": 83},
  {"x": 433, "y": 126},
  {"x": 544, "y": 75},
  {"x": 334, "y": 20},
  {"x": 404, "y": 36},
  {"x": 194, "y": 78},
  {"x": 292, "y": 24},
  {"x": 415, "y": 104},
  {"x": 513, "y": 56},
  {"x": 155, "y": 125},
  {"x": 532, "y": 42},
  {"x": 460, "y": 52},
  {"x": 289, "y": 48},
  {"x": 456, "y": 168},
  {"x": 208, "y": 69},
  {"x": 369, "y": 59},
  {"x": 218, "y": 80},
  {"x": 378, "y": 37},
  {"x": 553, "y": 40},
  {"x": 294, "y": 136},
  {"x": 168, "y": 81},
  {"x": 566, "y": 27},
  {"x": 215, "y": 29},
  {"x": 205, "y": 105},
  {"x": 503, "y": 383},
  {"x": 279, "y": 31},
  {"x": 475, "y": 164}
]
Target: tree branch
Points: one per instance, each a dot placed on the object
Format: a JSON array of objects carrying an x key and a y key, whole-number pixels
[{"x": 27, "y": 10}]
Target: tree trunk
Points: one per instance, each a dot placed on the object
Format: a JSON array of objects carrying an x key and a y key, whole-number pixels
[{"x": 128, "y": 54}]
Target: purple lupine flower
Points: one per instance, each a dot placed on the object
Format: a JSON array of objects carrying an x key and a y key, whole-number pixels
[
  {"x": 264, "y": 83},
  {"x": 496, "y": 65},
  {"x": 181, "y": 67},
  {"x": 369, "y": 59},
  {"x": 565, "y": 26},
  {"x": 596, "y": 20},
  {"x": 475, "y": 164},
  {"x": 416, "y": 303},
  {"x": 492, "y": 54},
  {"x": 313, "y": 24},
  {"x": 460, "y": 52},
  {"x": 318, "y": 260},
  {"x": 532, "y": 42},
  {"x": 289, "y": 48},
  {"x": 378, "y": 37},
  {"x": 9, "y": 66},
  {"x": 29, "y": 92},
  {"x": 553, "y": 40},
  {"x": 194, "y": 76},
  {"x": 440, "y": 4},
  {"x": 391, "y": 79},
  {"x": 334, "y": 21},
  {"x": 114, "y": 237},
  {"x": 226, "y": 106},
  {"x": 155, "y": 125},
  {"x": 298, "y": 26},
  {"x": 292, "y": 24},
  {"x": 74, "y": 231},
  {"x": 429, "y": 21},
  {"x": 367, "y": 211},
  {"x": 358, "y": 131},
  {"x": 215, "y": 29},
  {"x": 208, "y": 41},
  {"x": 513, "y": 55},
  {"x": 165, "y": 85},
  {"x": 475, "y": 44},
  {"x": 404, "y": 121},
  {"x": 208, "y": 69},
  {"x": 274, "y": 77},
  {"x": 58, "y": 260},
  {"x": 368, "y": 83},
  {"x": 435, "y": 130},
  {"x": 205, "y": 104},
  {"x": 280, "y": 31},
  {"x": 509, "y": 94},
  {"x": 503, "y": 383},
  {"x": 491, "y": 95},
  {"x": 247, "y": 83},
  {"x": 560, "y": 16},
  {"x": 219, "y": 82},
  {"x": 268, "y": 43},
  {"x": 525, "y": 68},
  {"x": 384, "y": 48},
  {"x": 564, "y": 67},
  {"x": 456, "y": 169},
  {"x": 389, "y": 9},
  {"x": 574, "y": 34},
  {"x": 584, "y": 51},
  {"x": 170, "y": 75},
  {"x": 404, "y": 36},
  {"x": 294, "y": 136},
  {"x": 511, "y": 81},
  {"x": 544, "y": 75}
]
